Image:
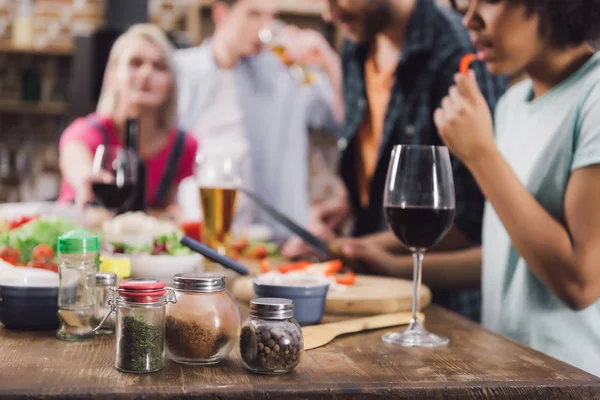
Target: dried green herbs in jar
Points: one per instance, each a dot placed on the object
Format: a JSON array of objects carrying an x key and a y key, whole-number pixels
[
  {"x": 140, "y": 307},
  {"x": 141, "y": 346}
]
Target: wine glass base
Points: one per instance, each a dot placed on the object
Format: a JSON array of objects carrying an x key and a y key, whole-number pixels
[{"x": 415, "y": 337}]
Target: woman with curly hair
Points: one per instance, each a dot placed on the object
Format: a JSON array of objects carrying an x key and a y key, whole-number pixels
[{"x": 541, "y": 174}]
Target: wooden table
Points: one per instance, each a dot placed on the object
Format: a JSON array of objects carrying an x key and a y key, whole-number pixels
[{"x": 477, "y": 364}]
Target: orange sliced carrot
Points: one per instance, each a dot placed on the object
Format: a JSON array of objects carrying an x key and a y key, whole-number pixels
[
  {"x": 264, "y": 266},
  {"x": 348, "y": 278},
  {"x": 466, "y": 62},
  {"x": 284, "y": 269},
  {"x": 333, "y": 267}
]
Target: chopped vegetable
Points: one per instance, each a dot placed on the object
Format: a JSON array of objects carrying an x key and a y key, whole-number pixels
[
  {"x": 192, "y": 229},
  {"x": 38, "y": 231},
  {"x": 348, "y": 279},
  {"x": 20, "y": 221},
  {"x": 260, "y": 251},
  {"x": 333, "y": 267},
  {"x": 42, "y": 252},
  {"x": 264, "y": 266},
  {"x": 241, "y": 244},
  {"x": 466, "y": 62},
  {"x": 162, "y": 245},
  {"x": 10, "y": 255},
  {"x": 299, "y": 266}
]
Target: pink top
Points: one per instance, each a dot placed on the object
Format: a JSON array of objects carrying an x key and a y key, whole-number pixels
[{"x": 81, "y": 130}]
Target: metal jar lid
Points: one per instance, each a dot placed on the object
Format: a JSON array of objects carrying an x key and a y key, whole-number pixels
[
  {"x": 199, "y": 283},
  {"x": 272, "y": 308},
  {"x": 106, "y": 279}
]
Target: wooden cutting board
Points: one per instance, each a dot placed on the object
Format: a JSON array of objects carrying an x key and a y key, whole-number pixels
[{"x": 370, "y": 295}]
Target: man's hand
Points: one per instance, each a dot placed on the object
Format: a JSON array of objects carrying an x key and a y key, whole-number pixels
[{"x": 325, "y": 220}]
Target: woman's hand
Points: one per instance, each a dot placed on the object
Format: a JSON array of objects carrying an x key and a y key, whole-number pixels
[{"x": 464, "y": 121}]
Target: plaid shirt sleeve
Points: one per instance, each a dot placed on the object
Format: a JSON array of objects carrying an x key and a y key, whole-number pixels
[{"x": 469, "y": 200}]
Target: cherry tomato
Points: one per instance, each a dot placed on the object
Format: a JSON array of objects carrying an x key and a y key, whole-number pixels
[
  {"x": 9, "y": 255},
  {"x": 42, "y": 251}
]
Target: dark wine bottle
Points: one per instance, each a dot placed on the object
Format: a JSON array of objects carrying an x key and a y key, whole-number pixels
[{"x": 132, "y": 135}]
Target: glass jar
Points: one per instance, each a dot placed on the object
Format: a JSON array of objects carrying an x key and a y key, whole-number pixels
[
  {"x": 140, "y": 307},
  {"x": 204, "y": 325},
  {"x": 103, "y": 293},
  {"x": 271, "y": 341},
  {"x": 77, "y": 288}
]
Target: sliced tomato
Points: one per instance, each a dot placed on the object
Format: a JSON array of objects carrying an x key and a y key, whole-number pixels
[
  {"x": 348, "y": 279},
  {"x": 333, "y": 267},
  {"x": 17, "y": 222},
  {"x": 466, "y": 62},
  {"x": 193, "y": 229},
  {"x": 10, "y": 255}
]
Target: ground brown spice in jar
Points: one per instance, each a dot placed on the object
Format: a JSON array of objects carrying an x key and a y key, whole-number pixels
[{"x": 191, "y": 339}]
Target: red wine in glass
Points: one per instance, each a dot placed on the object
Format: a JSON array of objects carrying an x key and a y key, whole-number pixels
[
  {"x": 114, "y": 178},
  {"x": 419, "y": 227},
  {"x": 419, "y": 207},
  {"x": 111, "y": 195}
]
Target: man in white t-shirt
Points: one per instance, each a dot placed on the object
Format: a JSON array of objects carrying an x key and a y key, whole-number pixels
[{"x": 238, "y": 97}]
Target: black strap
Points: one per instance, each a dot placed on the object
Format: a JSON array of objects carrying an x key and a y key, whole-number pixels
[{"x": 167, "y": 179}]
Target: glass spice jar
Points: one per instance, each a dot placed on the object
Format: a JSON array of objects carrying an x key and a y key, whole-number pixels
[
  {"x": 103, "y": 293},
  {"x": 77, "y": 250},
  {"x": 140, "y": 306},
  {"x": 203, "y": 326},
  {"x": 271, "y": 341}
]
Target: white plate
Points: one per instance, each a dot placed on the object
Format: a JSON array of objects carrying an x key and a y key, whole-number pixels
[{"x": 164, "y": 267}]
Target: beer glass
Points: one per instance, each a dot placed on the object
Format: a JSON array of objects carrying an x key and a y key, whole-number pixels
[{"x": 218, "y": 176}]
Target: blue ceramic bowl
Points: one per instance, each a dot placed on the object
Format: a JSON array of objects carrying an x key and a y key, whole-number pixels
[
  {"x": 29, "y": 300},
  {"x": 309, "y": 300}
]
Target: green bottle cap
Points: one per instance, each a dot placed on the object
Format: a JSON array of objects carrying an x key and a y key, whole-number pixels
[{"x": 78, "y": 241}]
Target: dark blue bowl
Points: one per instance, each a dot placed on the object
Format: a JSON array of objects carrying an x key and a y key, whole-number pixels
[
  {"x": 25, "y": 307},
  {"x": 309, "y": 301}
]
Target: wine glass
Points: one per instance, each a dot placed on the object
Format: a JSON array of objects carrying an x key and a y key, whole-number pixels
[
  {"x": 218, "y": 175},
  {"x": 114, "y": 176},
  {"x": 419, "y": 208}
]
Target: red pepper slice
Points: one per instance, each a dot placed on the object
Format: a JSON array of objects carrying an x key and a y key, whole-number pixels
[
  {"x": 264, "y": 266},
  {"x": 347, "y": 279},
  {"x": 284, "y": 269},
  {"x": 465, "y": 63}
]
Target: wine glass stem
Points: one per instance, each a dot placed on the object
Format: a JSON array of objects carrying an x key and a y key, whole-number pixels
[{"x": 417, "y": 274}]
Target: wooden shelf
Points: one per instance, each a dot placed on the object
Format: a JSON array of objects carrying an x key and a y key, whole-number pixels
[
  {"x": 40, "y": 108},
  {"x": 304, "y": 7},
  {"x": 6, "y": 46}
]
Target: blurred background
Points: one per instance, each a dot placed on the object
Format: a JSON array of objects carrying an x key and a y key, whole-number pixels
[{"x": 52, "y": 58}]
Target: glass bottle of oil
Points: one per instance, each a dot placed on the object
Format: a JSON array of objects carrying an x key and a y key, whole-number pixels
[{"x": 77, "y": 293}]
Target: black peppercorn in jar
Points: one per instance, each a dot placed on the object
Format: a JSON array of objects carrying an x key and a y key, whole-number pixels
[{"x": 271, "y": 341}]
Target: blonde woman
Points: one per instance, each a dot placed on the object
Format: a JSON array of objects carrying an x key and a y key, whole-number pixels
[{"x": 139, "y": 83}]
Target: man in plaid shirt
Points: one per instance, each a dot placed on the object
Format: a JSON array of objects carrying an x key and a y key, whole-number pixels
[{"x": 399, "y": 63}]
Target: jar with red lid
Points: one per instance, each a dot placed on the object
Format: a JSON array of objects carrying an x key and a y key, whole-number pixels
[{"x": 140, "y": 306}]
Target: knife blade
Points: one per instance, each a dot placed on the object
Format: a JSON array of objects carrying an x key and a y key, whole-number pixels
[{"x": 310, "y": 239}]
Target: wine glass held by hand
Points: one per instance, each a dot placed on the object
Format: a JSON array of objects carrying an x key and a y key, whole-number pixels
[
  {"x": 113, "y": 178},
  {"x": 419, "y": 206}
]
